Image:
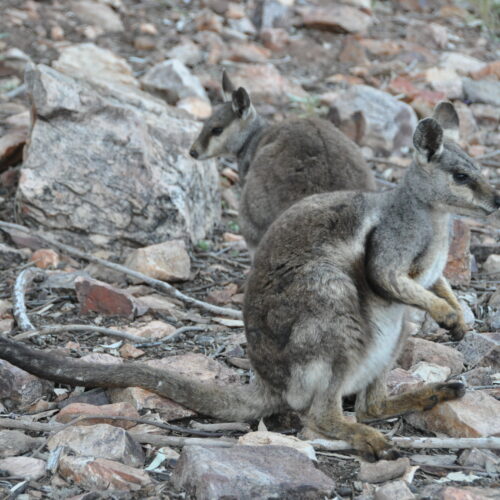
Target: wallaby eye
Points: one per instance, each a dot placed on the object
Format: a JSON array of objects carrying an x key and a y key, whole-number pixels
[
  {"x": 217, "y": 130},
  {"x": 461, "y": 178}
]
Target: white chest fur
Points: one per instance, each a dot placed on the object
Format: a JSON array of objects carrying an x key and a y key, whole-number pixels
[
  {"x": 434, "y": 260},
  {"x": 387, "y": 322}
]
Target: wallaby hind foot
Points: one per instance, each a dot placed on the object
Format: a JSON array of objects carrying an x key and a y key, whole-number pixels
[
  {"x": 326, "y": 418},
  {"x": 423, "y": 399}
]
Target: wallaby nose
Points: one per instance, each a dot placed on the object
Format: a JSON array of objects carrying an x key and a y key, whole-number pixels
[{"x": 194, "y": 153}]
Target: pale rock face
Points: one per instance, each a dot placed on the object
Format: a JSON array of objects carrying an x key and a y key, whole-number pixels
[{"x": 119, "y": 170}]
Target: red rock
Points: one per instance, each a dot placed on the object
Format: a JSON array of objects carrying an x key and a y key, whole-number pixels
[
  {"x": 336, "y": 18},
  {"x": 45, "y": 258},
  {"x": 130, "y": 352},
  {"x": 381, "y": 47},
  {"x": 101, "y": 474},
  {"x": 275, "y": 39},
  {"x": 352, "y": 52},
  {"x": 74, "y": 410},
  {"x": 453, "y": 493},
  {"x": 25, "y": 467},
  {"x": 396, "y": 490},
  {"x": 417, "y": 349},
  {"x": 56, "y": 33},
  {"x": 474, "y": 415},
  {"x": 97, "y": 296},
  {"x": 231, "y": 237},
  {"x": 168, "y": 261},
  {"x": 148, "y": 29},
  {"x": 99, "y": 440},
  {"x": 248, "y": 53},
  {"x": 153, "y": 330},
  {"x": 383, "y": 470},
  {"x": 144, "y": 42},
  {"x": 265, "y": 83},
  {"x": 235, "y": 11},
  {"x": 222, "y": 296},
  {"x": 399, "y": 381},
  {"x": 206, "y": 20},
  {"x": 458, "y": 271},
  {"x": 491, "y": 70}
]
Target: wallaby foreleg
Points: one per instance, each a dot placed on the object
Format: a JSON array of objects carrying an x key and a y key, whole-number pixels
[
  {"x": 410, "y": 292},
  {"x": 373, "y": 403},
  {"x": 442, "y": 289}
]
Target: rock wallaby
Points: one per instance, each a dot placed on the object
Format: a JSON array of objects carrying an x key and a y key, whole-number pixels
[
  {"x": 325, "y": 302},
  {"x": 278, "y": 164}
]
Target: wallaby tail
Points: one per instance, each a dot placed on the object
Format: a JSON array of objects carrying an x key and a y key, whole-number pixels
[{"x": 233, "y": 402}]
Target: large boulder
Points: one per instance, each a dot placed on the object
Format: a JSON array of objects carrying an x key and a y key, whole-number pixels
[
  {"x": 110, "y": 162},
  {"x": 388, "y": 124}
]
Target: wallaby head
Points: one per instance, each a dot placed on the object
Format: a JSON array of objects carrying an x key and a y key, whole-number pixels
[
  {"x": 448, "y": 177},
  {"x": 229, "y": 127}
]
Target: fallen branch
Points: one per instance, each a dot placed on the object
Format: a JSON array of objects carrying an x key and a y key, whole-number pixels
[
  {"x": 23, "y": 281},
  {"x": 157, "y": 440},
  {"x": 161, "y": 425},
  {"x": 491, "y": 443},
  {"x": 157, "y": 284},
  {"x": 79, "y": 328},
  {"x": 221, "y": 426},
  {"x": 173, "y": 336}
]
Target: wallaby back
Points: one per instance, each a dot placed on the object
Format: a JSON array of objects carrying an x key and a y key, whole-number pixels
[
  {"x": 281, "y": 163},
  {"x": 294, "y": 159}
]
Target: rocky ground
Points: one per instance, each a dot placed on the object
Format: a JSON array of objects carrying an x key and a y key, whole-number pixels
[{"x": 99, "y": 102}]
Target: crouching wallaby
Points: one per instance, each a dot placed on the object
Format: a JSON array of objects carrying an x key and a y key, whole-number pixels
[
  {"x": 278, "y": 164},
  {"x": 325, "y": 302}
]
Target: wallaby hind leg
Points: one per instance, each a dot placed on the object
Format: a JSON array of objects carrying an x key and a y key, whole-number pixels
[
  {"x": 325, "y": 417},
  {"x": 373, "y": 403}
]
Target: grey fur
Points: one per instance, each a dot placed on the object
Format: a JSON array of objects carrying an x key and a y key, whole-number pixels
[
  {"x": 324, "y": 305},
  {"x": 281, "y": 163}
]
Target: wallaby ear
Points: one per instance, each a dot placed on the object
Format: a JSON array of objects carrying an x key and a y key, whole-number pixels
[
  {"x": 428, "y": 138},
  {"x": 241, "y": 102},
  {"x": 446, "y": 115},
  {"x": 227, "y": 87}
]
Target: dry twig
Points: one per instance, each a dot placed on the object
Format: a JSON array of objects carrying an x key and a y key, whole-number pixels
[
  {"x": 24, "y": 280},
  {"x": 157, "y": 284},
  {"x": 79, "y": 328}
]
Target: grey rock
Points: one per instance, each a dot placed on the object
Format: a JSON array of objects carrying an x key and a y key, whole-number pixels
[
  {"x": 9, "y": 256},
  {"x": 120, "y": 172},
  {"x": 433, "y": 460},
  {"x": 248, "y": 472},
  {"x": 172, "y": 80},
  {"x": 397, "y": 490},
  {"x": 97, "y": 14},
  {"x": 485, "y": 91},
  {"x": 383, "y": 470},
  {"x": 480, "y": 458},
  {"x": 417, "y": 349},
  {"x": 389, "y": 123},
  {"x": 481, "y": 349},
  {"x": 100, "y": 441},
  {"x": 18, "y": 388},
  {"x": 14, "y": 443},
  {"x": 25, "y": 467},
  {"x": 187, "y": 52}
]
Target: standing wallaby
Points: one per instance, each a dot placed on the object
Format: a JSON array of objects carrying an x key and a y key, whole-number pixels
[
  {"x": 278, "y": 164},
  {"x": 325, "y": 301}
]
